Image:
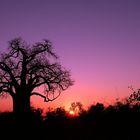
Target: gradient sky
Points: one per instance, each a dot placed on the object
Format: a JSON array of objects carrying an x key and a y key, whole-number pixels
[{"x": 98, "y": 40}]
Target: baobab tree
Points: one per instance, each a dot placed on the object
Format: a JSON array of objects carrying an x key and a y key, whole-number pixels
[{"x": 24, "y": 68}]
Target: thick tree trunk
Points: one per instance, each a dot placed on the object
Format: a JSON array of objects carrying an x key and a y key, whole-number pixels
[{"x": 21, "y": 104}]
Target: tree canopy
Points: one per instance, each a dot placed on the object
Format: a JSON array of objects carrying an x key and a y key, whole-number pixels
[{"x": 24, "y": 68}]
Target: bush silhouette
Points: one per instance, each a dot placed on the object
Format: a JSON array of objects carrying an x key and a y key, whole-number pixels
[{"x": 118, "y": 122}]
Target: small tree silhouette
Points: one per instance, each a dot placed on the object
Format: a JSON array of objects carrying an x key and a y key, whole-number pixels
[
  {"x": 76, "y": 107},
  {"x": 134, "y": 97},
  {"x": 24, "y": 68}
]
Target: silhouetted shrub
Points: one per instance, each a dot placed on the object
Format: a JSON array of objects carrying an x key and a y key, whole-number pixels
[{"x": 118, "y": 122}]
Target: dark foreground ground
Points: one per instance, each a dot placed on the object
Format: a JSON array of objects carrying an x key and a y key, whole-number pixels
[{"x": 118, "y": 122}]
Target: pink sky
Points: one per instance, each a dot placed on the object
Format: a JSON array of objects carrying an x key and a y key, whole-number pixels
[{"x": 98, "y": 40}]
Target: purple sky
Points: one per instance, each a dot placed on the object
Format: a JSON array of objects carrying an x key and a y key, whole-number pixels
[{"x": 98, "y": 40}]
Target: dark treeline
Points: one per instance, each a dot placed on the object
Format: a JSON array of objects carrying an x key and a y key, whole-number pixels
[{"x": 120, "y": 121}]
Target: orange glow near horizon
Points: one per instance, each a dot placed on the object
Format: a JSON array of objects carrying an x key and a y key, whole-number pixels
[
  {"x": 71, "y": 112},
  {"x": 85, "y": 95}
]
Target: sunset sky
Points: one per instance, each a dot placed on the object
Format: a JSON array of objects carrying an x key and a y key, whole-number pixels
[{"x": 97, "y": 40}]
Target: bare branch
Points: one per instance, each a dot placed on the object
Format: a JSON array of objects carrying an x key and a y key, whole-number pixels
[
  {"x": 38, "y": 94},
  {"x": 5, "y": 68},
  {"x": 46, "y": 98},
  {"x": 40, "y": 48},
  {"x": 7, "y": 89}
]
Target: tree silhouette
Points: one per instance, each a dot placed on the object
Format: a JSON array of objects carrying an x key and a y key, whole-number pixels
[
  {"x": 24, "y": 68},
  {"x": 135, "y": 96},
  {"x": 77, "y": 108}
]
